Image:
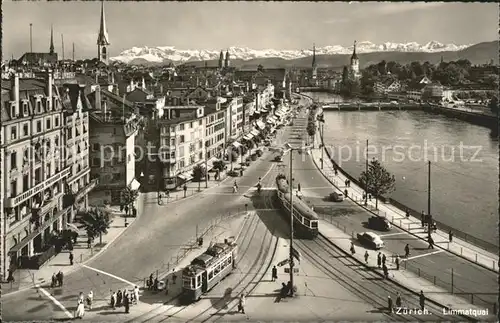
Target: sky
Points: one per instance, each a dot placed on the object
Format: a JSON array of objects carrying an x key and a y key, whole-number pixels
[{"x": 257, "y": 25}]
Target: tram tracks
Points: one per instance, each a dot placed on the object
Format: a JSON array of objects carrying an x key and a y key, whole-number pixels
[
  {"x": 364, "y": 283},
  {"x": 251, "y": 225}
]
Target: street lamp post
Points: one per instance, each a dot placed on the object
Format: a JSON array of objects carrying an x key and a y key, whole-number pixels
[
  {"x": 366, "y": 172},
  {"x": 429, "y": 217},
  {"x": 206, "y": 166}
]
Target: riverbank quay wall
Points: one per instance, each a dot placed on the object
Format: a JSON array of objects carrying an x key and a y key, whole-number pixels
[
  {"x": 480, "y": 119},
  {"x": 457, "y": 233}
]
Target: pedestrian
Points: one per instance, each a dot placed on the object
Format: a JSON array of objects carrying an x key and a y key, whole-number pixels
[
  {"x": 398, "y": 301},
  {"x": 134, "y": 212},
  {"x": 379, "y": 259},
  {"x": 126, "y": 303},
  {"x": 119, "y": 298},
  {"x": 431, "y": 243},
  {"x": 136, "y": 293},
  {"x": 113, "y": 300},
  {"x": 150, "y": 282},
  {"x": 174, "y": 276},
  {"x": 369, "y": 197},
  {"x": 407, "y": 250},
  {"x": 208, "y": 176},
  {"x": 166, "y": 288},
  {"x": 383, "y": 259},
  {"x": 80, "y": 297},
  {"x": 71, "y": 258},
  {"x": 397, "y": 262},
  {"x": 80, "y": 309},
  {"x": 54, "y": 280},
  {"x": 407, "y": 213},
  {"x": 274, "y": 274},
  {"x": 126, "y": 209},
  {"x": 336, "y": 172},
  {"x": 61, "y": 278},
  {"x": 450, "y": 236},
  {"x": 90, "y": 299},
  {"x": 155, "y": 284},
  {"x": 422, "y": 218},
  {"x": 298, "y": 187},
  {"x": 10, "y": 277},
  {"x": 346, "y": 193},
  {"x": 89, "y": 241},
  {"x": 241, "y": 304},
  {"x": 366, "y": 256},
  {"x": 386, "y": 271},
  {"x": 389, "y": 304},
  {"x": 353, "y": 251},
  {"x": 422, "y": 300},
  {"x": 345, "y": 183}
]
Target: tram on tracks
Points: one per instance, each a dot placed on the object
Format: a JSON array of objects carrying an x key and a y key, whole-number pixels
[
  {"x": 305, "y": 220},
  {"x": 208, "y": 269}
]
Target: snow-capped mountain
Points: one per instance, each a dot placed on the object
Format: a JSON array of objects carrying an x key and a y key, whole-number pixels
[{"x": 170, "y": 53}]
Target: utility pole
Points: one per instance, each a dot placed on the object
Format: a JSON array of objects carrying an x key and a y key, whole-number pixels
[
  {"x": 31, "y": 38},
  {"x": 322, "y": 144},
  {"x": 366, "y": 172},
  {"x": 62, "y": 44},
  {"x": 206, "y": 167},
  {"x": 73, "y": 56},
  {"x": 429, "y": 217},
  {"x": 291, "y": 223}
]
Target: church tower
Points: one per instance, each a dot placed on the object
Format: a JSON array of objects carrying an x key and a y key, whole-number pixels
[
  {"x": 102, "y": 38},
  {"x": 221, "y": 60},
  {"x": 227, "y": 62},
  {"x": 51, "y": 48},
  {"x": 354, "y": 62},
  {"x": 314, "y": 73}
]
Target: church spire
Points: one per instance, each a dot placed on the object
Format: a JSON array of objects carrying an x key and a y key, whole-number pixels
[
  {"x": 314, "y": 56},
  {"x": 103, "y": 38},
  {"x": 51, "y": 48},
  {"x": 227, "y": 61},
  {"x": 354, "y": 55}
]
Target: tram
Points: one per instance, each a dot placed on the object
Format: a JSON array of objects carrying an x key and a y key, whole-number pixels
[
  {"x": 305, "y": 220},
  {"x": 208, "y": 269}
]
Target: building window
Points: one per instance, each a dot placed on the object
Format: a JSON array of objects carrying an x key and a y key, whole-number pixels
[
  {"x": 116, "y": 176},
  {"x": 13, "y": 188},
  {"x": 56, "y": 121},
  {"x": 96, "y": 147},
  {"x": 190, "y": 125},
  {"x": 129, "y": 158},
  {"x": 200, "y": 156},
  {"x": 172, "y": 141},
  {"x": 13, "y": 160},
  {"x": 39, "y": 126},
  {"x": 26, "y": 130},
  {"x": 48, "y": 124},
  {"x": 39, "y": 107},
  {"x": 84, "y": 129},
  {"x": 181, "y": 127},
  {"x": 96, "y": 162},
  {"x": 56, "y": 142},
  {"x": 26, "y": 156},
  {"x": 13, "y": 133},
  {"x": 70, "y": 133},
  {"x": 181, "y": 139}
]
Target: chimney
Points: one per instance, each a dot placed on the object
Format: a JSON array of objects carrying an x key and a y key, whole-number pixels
[
  {"x": 50, "y": 84},
  {"x": 97, "y": 105},
  {"x": 15, "y": 91}
]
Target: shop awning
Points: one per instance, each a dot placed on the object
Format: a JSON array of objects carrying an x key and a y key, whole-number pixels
[
  {"x": 134, "y": 185},
  {"x": 186, "y": 176},
  {"x": 236, "y": 144},
  {"x": 272, "y": 119},
  {"x": 261, "y": 125},
  {"x": 255, "y": 132},
  {"x": 248, "y": 136}
]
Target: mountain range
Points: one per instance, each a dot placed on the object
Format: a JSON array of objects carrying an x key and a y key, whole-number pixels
[{"x": 329, "y": 56}]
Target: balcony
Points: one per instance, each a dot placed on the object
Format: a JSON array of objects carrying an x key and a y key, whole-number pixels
[
  {"x": 14, "y": 201},
  {"x": 86, "y": 189},
  {"x": 48, "y": 205}
]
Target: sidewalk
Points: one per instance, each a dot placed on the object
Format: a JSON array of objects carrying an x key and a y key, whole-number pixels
[
  {"x": 28, "y": 278},
  {"x": 398, "y": 218},
  {"x": 402, "y": 277}
]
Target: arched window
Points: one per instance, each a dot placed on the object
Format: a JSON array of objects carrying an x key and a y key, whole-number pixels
[{"x": 104, "y": 52}]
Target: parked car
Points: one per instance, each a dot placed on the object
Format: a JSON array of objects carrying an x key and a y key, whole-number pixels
[
  {"x": 259, "y": 152},
  {"x": 337, "y": 197},
  {"x": 278, "y": 158},
  {"x": 379, "y": 223},
  {"x": 232, "y": 173},
  {"x": 370, "y": 239}
]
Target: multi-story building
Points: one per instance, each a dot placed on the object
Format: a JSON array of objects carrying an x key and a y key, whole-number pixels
[
  {"x": 36, "y": 169},
  {"x": 181, "y": 144},
  {"x": 112, "y": 145},
  {"x": 215, "y": 122},
  {"x": 387, "y": 85}
]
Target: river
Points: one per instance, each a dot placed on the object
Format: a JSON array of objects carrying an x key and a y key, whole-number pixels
[{"x": 464, "y": 161}]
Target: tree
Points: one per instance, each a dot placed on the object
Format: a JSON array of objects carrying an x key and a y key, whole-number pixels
[
  {"x": 379, "y": 180},
  {"x": 129, "y": 196},
  {"x": 345, "y": 74},
  {"x": 96, "y": 221},
  {"x": 311, "y": 130},
  {"x": 199, "y": 172},
  {"x": 219, "y": 165},
  {"x": 493, "y": 105}
]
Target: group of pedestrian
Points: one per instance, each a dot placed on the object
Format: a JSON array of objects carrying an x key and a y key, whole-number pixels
[
  {"x": 80, "y": 305},
  {"x": 381, "y": 259},
  {"x": 124, "y": 298},
  {"x": 347, "y": 183},
  {"x": 286, "y": 289},
  {"x": 399, "y": 302},
  {"x": 57, "y": 279}
]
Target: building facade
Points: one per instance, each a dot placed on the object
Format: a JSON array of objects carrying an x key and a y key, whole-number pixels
[{"x": 40, "y": 161}]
